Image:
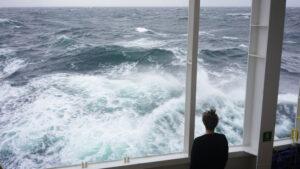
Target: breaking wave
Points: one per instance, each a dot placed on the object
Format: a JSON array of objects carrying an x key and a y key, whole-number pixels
[
  {"x": 9, "y": 22},
  {"x": 92, "y": 59}
]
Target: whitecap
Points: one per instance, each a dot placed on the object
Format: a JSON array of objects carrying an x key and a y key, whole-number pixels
[
  {"x": 290, "y": 42},
  {"x": 142, "y": 29},
  {"x": 12, "y": 66},
  {"x": 6, "y": 51},
  {"x": 230, "y": 38},
  {"x": 243, "y": 46},
  {"x": 238, "y": 14},
  {"x": 205, "y": 33},
  {"x": 142, "y": 43},
  {"x": 288, "y": 98},
  {"x": 145, "y": 30},
  {"x": 4, "y": 20}
]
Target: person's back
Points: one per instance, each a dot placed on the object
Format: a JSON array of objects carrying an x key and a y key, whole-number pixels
[{"x": 209, "y": 151}]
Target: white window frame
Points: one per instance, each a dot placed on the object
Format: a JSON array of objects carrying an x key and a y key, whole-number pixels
[{"x": 266, "y": 36}]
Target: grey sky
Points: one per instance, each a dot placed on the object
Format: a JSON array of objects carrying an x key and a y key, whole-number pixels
[{"x": 44, "y": 3}]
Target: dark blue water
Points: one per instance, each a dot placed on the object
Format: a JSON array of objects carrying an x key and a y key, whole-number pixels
[{"x": 96, "y": 84}]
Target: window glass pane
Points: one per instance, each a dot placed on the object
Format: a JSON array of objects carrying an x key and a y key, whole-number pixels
[
  {"x": 91, "y": 84},
  {"x": 289, "y": 75},
  {"x": 222, "y": 72}
]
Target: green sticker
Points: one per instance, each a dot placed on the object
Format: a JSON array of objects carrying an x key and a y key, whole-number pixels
[{"x": 267, "y": 136}]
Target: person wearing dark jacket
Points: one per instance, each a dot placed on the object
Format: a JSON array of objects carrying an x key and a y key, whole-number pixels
[{"x": 209, "y": 151}]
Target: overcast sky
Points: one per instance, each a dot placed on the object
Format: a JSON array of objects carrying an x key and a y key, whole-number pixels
[{"x": 53, "y": 3}]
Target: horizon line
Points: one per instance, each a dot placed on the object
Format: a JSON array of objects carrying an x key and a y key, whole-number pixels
[{"x": 128, "y": 6}]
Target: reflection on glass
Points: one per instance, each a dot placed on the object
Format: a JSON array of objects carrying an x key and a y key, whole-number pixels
[
  {"x": 90, "y": 84},
  {"x": 289, "y": 76}
]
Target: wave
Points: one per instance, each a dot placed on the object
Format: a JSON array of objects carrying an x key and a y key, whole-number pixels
[
  {"x": 205, "y": 33},
  {"x": 230, "y": 38},
  {"x": 290, "y": 42},
  {"x": 243, "y": 46},
  {"x": 143, "y": 30},
  {"x": 290, "y": 64},
  {"x": 10, "y": 22},
  {"x": 286, "y": 113},
  {"x": 63, "y": 41},
  {"x": 149, "y": 31},
  {"x": 11, "y": 67},
  {"x": 142, "y": 43},
  {"x": 244, "y": 15},
  {"x": 6, "y": 51},
  {"x": 61, "y": 112},
  {"x": 183, "y": 18},
  {"x": 221, "y": 55},
  {"x": 97, "y": 58}
]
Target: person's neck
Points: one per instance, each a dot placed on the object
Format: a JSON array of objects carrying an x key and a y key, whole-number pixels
[{"x": 209, "y": 132}]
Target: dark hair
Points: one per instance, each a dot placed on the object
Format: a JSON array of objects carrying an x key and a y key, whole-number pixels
[{"x": 210, "y": 119}]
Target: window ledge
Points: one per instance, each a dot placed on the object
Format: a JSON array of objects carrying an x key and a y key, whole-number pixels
[
  {"x": 169, "y": 160},
  {"x": 156, "y": 161},
  {"x": 138, "y": 163}
]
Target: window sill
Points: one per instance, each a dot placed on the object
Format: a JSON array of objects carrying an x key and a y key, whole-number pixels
[
  {"x": 137, "y": 163},
  {"x": 169, "y": 160},
  {"x": 152, "y": 162}
]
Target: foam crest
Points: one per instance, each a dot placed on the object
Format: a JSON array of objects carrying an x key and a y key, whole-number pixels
[
  {"x": 205, "y": 33},
  {"x": 287, "y": 98},
  {"x": 230, "y": 38},
  {"x": 6, "y": 51},
  {"x": 244, "y": 15},
  {"x": 58, "y": 114},
  {"x": 243, "y": 46},
  {"x": 142, "y": 30},
  {"x": 11, "y": 67},
  {"x": 229, "y": 109},
  {"x": 63, "y": 41},
  {"x": 290, "y": 42},
  {"x": 142, "y": 43}
]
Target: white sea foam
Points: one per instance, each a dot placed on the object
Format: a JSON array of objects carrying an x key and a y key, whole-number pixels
[
  {"x": 230, "y": 38},
  {"x": 145, "y": 30},
  {"x": 101, "y": 113},
  {"x": 97, "y": 117},
  {"x": 6, "y": 51},
  {"x": 142, "y": 42},
  {"x": 283, "y": 126},
  {"x": 243, "y": 46},
  {"x": 205, "y": 33},
  {"x": 244, "y": 15},
  {"x": 12, "y": 66},
  {"x": 142, "y": 29},
  {"x": 287, "y": 98},
  {"x": 290, "y": 42},
  {"x": 4, "y": 20},
  {"x": 214, "y": 97}
]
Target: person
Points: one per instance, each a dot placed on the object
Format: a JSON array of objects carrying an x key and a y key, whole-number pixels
[{"x": 209, "y": 151}]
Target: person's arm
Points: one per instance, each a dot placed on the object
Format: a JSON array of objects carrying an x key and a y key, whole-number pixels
[
  {"x": 227, "y": 151},
  {"x": 194, "y": 153}
]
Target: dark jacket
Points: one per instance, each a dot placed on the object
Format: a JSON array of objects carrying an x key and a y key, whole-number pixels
[{"x": 209, "y": 151}]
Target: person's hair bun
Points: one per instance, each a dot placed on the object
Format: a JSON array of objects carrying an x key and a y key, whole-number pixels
[{"x": 212, "y": 111}]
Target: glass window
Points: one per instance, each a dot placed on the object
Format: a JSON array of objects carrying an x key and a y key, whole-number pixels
[
  {"x": 222, "y": 69},
  {"x": 91, "y": 84},
  {"x": 289, "y": 75}
]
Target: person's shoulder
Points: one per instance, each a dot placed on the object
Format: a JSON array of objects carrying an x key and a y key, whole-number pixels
[
  {"x": 221, "y": 136},
  {"x": 200, "y": 139}
]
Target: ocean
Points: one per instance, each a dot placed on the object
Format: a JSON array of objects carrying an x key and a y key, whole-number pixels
[{"x": 98, "y": 84}]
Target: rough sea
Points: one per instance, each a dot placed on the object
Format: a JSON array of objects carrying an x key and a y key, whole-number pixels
[{"x": 96, "y": 84}]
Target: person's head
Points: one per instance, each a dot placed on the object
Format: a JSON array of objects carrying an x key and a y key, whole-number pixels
[{"x": 210, "y": 120}]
